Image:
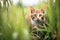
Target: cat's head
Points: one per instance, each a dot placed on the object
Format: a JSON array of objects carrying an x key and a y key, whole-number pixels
[{"x": 37, "y": 14}]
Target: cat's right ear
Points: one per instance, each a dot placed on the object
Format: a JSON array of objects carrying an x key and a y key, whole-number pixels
[{"x": 32, "y": 10}]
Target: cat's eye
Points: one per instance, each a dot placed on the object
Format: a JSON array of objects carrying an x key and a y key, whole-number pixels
[
  {"x": 40, "y": 15},
  {"x": 35, "y": 15}
]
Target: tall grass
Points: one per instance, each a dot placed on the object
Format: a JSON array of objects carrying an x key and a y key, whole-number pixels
[
  {"x": 54, "y": 14},
  {"x": 13, "y": 25},
  {"x": 58, "y": 16}
]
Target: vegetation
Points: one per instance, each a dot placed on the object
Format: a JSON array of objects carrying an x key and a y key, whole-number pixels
[{"x": 13, "y": 25}]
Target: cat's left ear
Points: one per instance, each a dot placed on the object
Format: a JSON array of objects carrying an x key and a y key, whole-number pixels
[{"x": 32, "y": 10}]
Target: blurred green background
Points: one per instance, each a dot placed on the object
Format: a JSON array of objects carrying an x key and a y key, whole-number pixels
[{"x": 12, "y": 18}]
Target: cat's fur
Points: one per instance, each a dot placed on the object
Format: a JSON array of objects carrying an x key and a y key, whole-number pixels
[
  {"x": 36, "y": 17},
  {"x": 36, "y": 20}
]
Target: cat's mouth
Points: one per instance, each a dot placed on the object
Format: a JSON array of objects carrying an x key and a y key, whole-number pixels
[{"x": 40, "y": 21}]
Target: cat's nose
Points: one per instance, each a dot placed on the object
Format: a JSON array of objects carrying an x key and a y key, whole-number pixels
[
  {"x": 42, "y": 18},
  {"x": 38, "y": 19}
]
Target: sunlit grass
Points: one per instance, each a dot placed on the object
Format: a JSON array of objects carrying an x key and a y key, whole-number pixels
[{"x": 14, "y": 24}]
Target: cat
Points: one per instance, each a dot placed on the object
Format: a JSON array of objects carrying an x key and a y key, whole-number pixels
[{"x": 36, "y": 18}]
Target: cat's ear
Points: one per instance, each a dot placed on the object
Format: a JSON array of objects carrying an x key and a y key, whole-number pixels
[
  {"x": 42, "y": 10},
  {"x": 32, "y": 10}
]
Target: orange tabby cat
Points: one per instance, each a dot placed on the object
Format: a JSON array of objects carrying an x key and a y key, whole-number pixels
[{"x": 36, "y": 17}]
